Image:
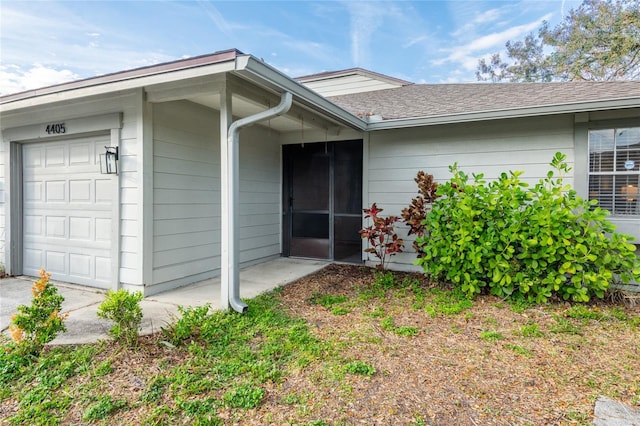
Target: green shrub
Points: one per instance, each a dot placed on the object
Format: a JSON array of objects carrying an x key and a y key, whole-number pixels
[
  {"x": 360, "y": 367},
  {"x": 103, "y": 408},
  {"x": 523, "y": 243},
  {"x": 188, "y": 326},
  {"x": 244, "y": 396},
  {"x": 123, "y": 308},
  {"x": 35, "y": 325}
]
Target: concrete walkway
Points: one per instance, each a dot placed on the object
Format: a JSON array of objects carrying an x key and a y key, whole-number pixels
[{"x": 83, "y": 325}]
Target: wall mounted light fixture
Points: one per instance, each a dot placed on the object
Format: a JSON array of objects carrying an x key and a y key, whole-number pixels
[{"x": 109, "y": 161}]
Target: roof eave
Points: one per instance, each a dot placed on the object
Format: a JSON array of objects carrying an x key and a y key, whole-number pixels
[
  {"x": 261, "y": 73},
  {"x": 116, "y": 86},
  {"x": 632, "y": 102}
]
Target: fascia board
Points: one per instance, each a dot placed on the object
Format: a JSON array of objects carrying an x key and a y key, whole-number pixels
[
  {"x": 67, "y": 93},
  {"x": 505, "y": 114},
  {"x": 263, "y": 74}
]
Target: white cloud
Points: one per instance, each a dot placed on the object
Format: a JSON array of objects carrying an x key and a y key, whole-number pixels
[
  {"x": 365, "y": 19},
  {"x": 415, "y": 40},
  {"x": 14, "y": 79},
  {"x": 226, "y": 27},
  {"x": 488, "y": 16},
  {"x": 467, "y": 55}
]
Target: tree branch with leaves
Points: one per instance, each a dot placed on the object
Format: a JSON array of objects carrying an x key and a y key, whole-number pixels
[{"x": 598, "y": 41}]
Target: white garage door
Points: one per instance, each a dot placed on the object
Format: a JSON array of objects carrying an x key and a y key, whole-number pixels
[{"x": 67, "y": 211}]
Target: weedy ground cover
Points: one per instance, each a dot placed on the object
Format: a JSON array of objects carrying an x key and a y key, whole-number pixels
[{"x": 400, "y": 350}]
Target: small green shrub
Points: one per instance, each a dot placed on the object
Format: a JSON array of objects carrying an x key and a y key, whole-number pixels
[
  {"x": 360, "y": 367},
  {"x": 585, "y": 313},
  {"x": 123, "y": 308},
  {"x": 531, "y": 330},
  {"x": 406, "y": 330},
  {"x": 326, "y": 300},
  {"x": 104, "y": 407},
  {"x": 385, "y": 280},
  {"x": 562, "y": 325},
  {"x": 519, "y": 350},
  {"x": 244, "y": 396},
  {"x": 524, "y": 243},
  {"x": 491, "y": 336},
  {"x": 340, "y": 310},
  {"x": 35, "y": 325},
  {"x": 188, "y": 325}
]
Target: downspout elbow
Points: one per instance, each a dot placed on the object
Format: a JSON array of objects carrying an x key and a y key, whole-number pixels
[{"x": 234, "y": 193}]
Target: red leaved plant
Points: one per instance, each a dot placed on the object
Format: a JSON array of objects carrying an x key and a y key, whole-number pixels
[
  {"x": 415, "y": 215},
  {"x": 383, "y": 240}
]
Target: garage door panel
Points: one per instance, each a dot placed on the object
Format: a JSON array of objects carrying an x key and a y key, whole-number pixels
[
  {"x": 80, "y": 265},
  {"x": 67, "y": 211},
  {"x": 81, "y": 154},
  {"x": 81, "y": 228},
  {"x": 80, "y": 191},
  {"x": 81, "y": 246},
  {"x": 33, "y": 260},
  {"x": 56, "y": 227},
  {"x": 55, "y": 156},
  {"x": 104, "y": 193},
  {"x": 103, "y": 268},
  {"x": 33, "y": 191},
  {"x": 103, "y": 229},
  {"x": 31, "y": 157},
  {"x": 33, "y": 225},
  {"x": 55, "y": 191},
  {"x": 56, "y": 262}
]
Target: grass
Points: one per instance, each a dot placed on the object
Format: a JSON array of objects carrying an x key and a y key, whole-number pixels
[{"x": 273, "y": 366}]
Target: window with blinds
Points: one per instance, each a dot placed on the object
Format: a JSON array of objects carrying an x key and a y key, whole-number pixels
[{"x": 614, "y": 169}]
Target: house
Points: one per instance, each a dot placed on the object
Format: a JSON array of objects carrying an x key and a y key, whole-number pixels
[{"x": 161, "y": 176}]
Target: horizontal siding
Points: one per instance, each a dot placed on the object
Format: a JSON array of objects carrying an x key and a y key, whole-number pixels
[
  {"x": 260, "y": 191},
  {"x": 186, "y": 193},
  {"x": 3, "y": 194},
  {"x": 343, "y": 85},
  {"x": 396, "y": 156}
]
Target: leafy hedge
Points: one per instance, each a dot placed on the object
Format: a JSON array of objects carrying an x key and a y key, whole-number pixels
[{"x": 521, "y": 242}]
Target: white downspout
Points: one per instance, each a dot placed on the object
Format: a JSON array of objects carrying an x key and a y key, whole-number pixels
[{"x": 231, "y": 253}]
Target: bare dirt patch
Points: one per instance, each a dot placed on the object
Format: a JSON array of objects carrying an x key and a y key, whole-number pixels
[{"x": 474, "y": 367}]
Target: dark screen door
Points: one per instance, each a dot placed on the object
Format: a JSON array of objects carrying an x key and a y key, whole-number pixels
[{"x": 322, "y": 199}]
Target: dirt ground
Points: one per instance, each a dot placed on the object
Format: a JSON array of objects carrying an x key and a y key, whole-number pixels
[{"x": 448, "y": 374}]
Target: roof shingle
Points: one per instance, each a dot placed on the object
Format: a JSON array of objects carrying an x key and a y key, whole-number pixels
[{"x": 427, "y": 100}]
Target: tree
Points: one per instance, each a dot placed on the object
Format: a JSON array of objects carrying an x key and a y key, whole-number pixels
[{"x": 598, "y": 41}]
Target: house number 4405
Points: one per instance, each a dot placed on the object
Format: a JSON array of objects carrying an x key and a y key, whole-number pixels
[{"x": 55, "y": 129}]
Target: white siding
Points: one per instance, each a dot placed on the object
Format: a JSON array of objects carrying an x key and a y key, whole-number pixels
[
  {"x": 346, "y": 84},
  {"x": 395, "y": 157},
  {"x": 122, "y": 102},
  {"x": 3, "y": 193},
  {"x": 187, "y": 194},
  {"x": 260, "y": 195}
]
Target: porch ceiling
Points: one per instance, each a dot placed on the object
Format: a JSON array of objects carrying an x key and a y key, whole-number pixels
[{"x": 247, "y": 99}]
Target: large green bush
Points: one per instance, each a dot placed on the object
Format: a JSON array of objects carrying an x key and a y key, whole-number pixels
[{"x": 524, "y": 243}]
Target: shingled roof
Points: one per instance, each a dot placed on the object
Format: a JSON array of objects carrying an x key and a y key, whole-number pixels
[{"x": 431, "y": 100}]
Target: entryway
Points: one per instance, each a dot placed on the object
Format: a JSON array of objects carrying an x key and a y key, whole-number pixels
[{"x": 323, "y": 200}]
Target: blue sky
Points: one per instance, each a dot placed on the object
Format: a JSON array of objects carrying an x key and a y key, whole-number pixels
[{"x": 48, "y": 42}]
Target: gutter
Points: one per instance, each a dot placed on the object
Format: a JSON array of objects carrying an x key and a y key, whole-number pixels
[
  {"x": 233, "y": 193},
  {"x": 263, "y": 74},
  {"x": 434, "y": 120}
]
